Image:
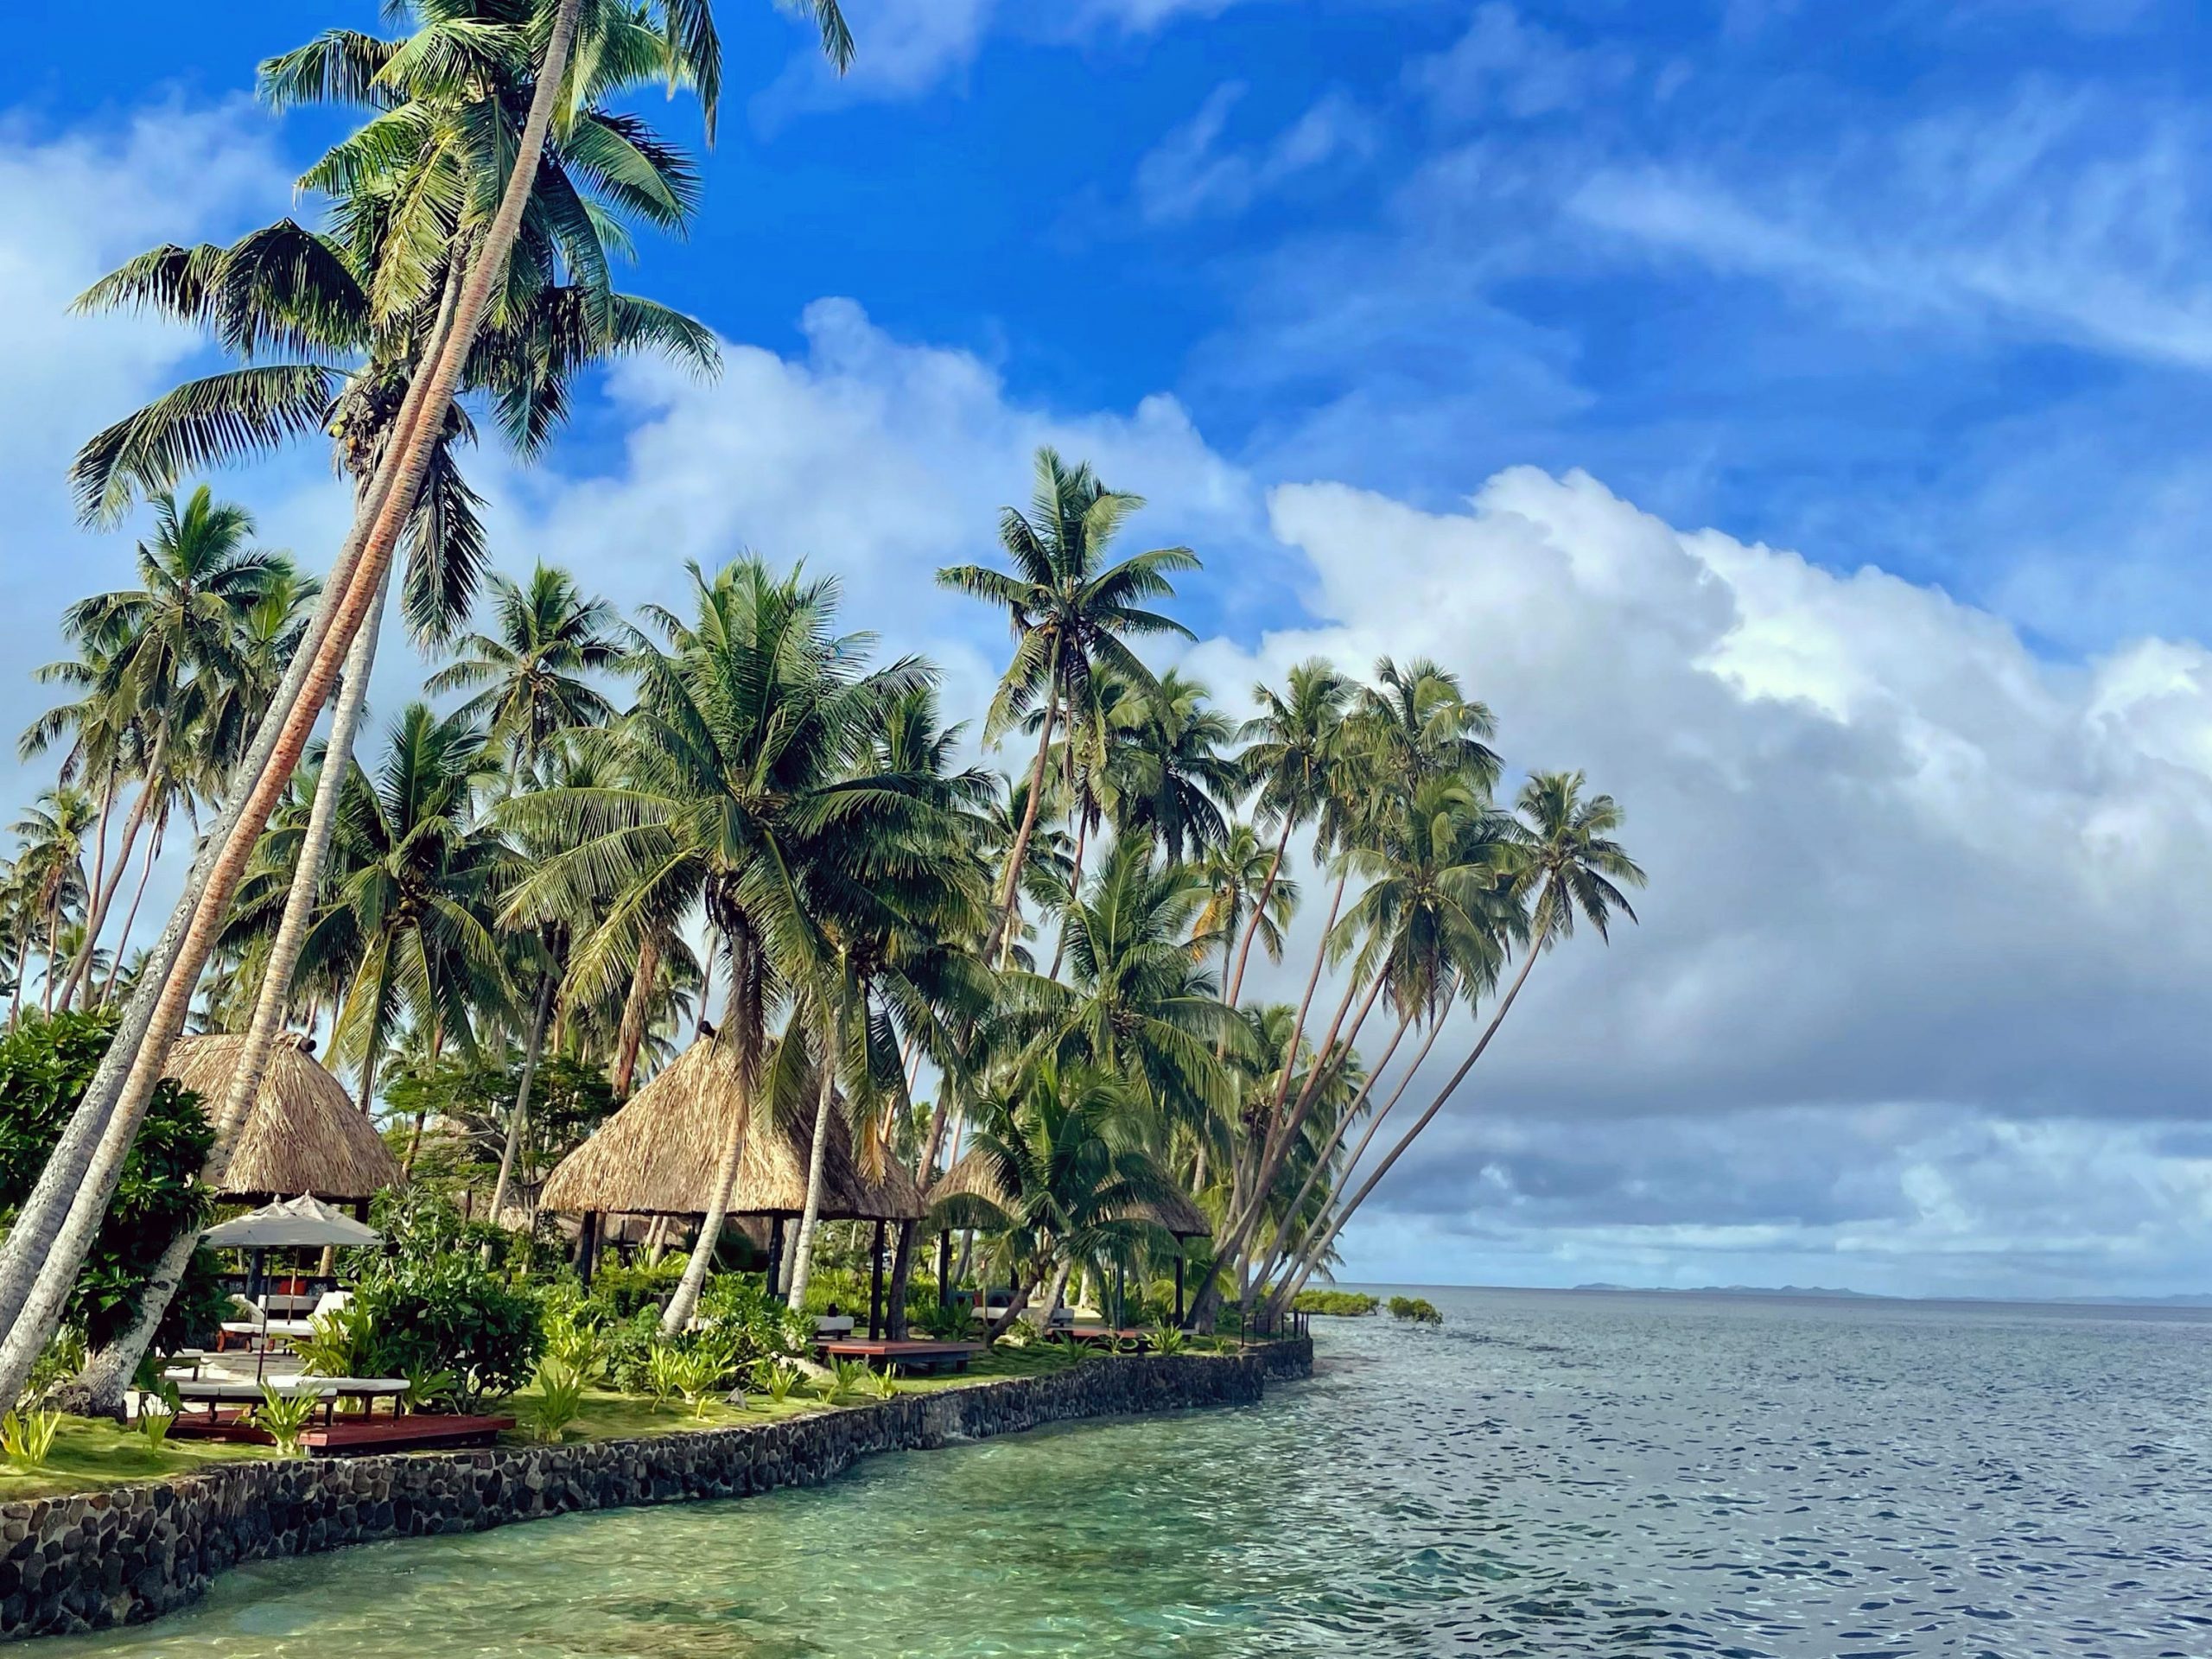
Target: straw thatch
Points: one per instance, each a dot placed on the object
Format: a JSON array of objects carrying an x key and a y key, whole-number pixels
[
  {"x": 657, "y": 1155},
  {"x": 304, "y": 1134},
  {"x": 974, "y": 1178}
]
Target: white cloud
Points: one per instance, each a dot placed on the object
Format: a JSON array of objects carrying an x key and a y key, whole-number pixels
[
  {"x": 1189, "y": 173},
  {"x": 72, "y": 208}
]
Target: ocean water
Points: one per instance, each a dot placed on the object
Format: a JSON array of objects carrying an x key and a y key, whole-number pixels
[{"x": 1550, "y": 1473}]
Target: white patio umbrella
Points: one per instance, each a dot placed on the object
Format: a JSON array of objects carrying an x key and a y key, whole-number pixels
[{"x": 296, "y": 1224}]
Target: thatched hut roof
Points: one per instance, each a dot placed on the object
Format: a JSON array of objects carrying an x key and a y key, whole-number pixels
[
  {"x": 304, "y": 1134},
  {"x": 656, "y": 1156},
  {"x": 972, "y": 1177}
]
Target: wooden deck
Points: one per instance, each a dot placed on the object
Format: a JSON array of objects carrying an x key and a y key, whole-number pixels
[
  {"x": 913, "y": 1354},
  {"x": 1107, "y": 1336},
  {"x": 346, "y": 1436}
]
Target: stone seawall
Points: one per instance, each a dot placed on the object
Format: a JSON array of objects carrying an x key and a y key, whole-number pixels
[{"x": 70, "y": 1564}]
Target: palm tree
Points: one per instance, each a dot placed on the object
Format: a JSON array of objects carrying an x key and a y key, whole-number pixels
[
  {"x": 1137, "y": 1003},
  {"x": 1439, "y": 909},
  {"x": 1169, "y": 777},
  {"x": 54, "y": 1227},
  {"x": 534, "y": 672},
  {"x": 1244, "y": 889},
  {"x": 166, "y": 664},
  {"x": 1071, "y": 613},
  {"x": 742, "y": 774},
  {"x": 1060, "y": 1148},
  {"x": 1568, "y": 864},
  {"x": 417, "y": 879},
  {"x": 53, "y": 832},
  {"x": 1293, "y": 745}
]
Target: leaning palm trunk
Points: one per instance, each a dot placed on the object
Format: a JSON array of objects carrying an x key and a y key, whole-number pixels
[
  {"x": 529, "y": 1053},
  {"x": 99, "y": 1389},
  {"x": 130, "y": 916},
  {"x": 816, "y": 1157},
  {"x": 94, "y": 893},
  {"x": 1248, "y": 1188},
  {"x": 54, "y": 1229},
  {"x": 1011, "y": 885},
  {"x": 1235, "y": 985},
  {"x": 1324, "y": 1237}
]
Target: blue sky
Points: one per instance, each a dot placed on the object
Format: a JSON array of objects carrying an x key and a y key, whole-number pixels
[{"x": 1904, "y": 300}]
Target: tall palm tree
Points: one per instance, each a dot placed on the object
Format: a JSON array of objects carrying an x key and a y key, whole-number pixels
[
  {"x": 1568, "y": 864},
  {"x": 416, "y": 877},
  {"x": 533, "y": 676},
  {"x": 742, "y": 774},
  {"x": 53, "y": 832},
  {"x": 1293, "y": 744},
  {"x": 1243, "y": 890},
  {"x": 1171, "y": 778},
  {"x": 169, "y": 664},
  {"x": 55, "y": 1225},
  {"x": 1071, "y": 613}
]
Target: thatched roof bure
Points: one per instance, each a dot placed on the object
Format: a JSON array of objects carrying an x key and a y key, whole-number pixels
[
  {"x": 657, "y": 1155},
  {"x": 304, "y": 1134}
]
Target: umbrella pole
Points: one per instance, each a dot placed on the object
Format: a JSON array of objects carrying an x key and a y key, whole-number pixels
[
  {"x": 775, "y": 1250},
  {"x": 875, "y": 1288},
  {"x": 1178, "y": 1289}
]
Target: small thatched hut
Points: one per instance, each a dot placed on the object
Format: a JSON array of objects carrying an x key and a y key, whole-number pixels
[
  {"x": 1172, "y": 1211},
  {"x": 304, "y": 1134},
  {"x": 657, "y": 1155}
]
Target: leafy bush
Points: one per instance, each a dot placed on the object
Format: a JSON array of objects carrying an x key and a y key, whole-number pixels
[
  {"x": 623, "y": 1291},
  {"x": 947, "y": 1323},
  {"x": 881, "y": 1385},
  {"x": 1419, "y": 1309},
  {"x": 699, "y": 1378},
  {"x": 45, "y": 1065},
  {"x": 26, "y": 1436},
  {"x": 155, "y": 1420},
  {"x": 779, "y": 1378},
  {"x": 1167, "y": 1341},
  {"x": 846, "y": 1379},
  {"x": 559, "y": 1403},
  {"x": 1340, "y": 1304},
  {"x": 283, "y": 1418},
  {"x": 435, "y": 1307}
]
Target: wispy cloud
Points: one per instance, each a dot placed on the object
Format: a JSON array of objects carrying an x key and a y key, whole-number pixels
[
  {"x": 1190, "y": 173},
  {"x": 1507, "y": 66},
  {"x": 2059, "y": 215}
]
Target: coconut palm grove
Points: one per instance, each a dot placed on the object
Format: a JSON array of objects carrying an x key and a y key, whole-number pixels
[{"x": 678, "y": 1018}]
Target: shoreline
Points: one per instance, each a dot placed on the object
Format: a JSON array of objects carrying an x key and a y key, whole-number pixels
[{"x": 69, "y": 1565}]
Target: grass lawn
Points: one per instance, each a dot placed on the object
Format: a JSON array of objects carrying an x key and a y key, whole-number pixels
[
  {"x": 90, "y": 1455},
  {"x": 608, "y": 1415}
]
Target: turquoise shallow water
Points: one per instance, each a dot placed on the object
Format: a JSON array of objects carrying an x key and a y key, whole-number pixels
[{"x": 1550, "y": 1474}]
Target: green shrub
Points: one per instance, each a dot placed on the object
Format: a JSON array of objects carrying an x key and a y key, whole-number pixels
[
  {"x": 45, "y": 1065},
  {"x": 623, "y": 1291},
  {"x": 155, "y": 1420},
  {"x": 1419, "y": 1309},
  {"x": 435, "y": 1307},
  {"x": 1338, "y": 1303},
  {"x": 284, "y": 1418},
  {"x": 699, "y": 1378},
  {"x": 665, "y": 1369},
  {"x": 881, "y": 1385},
  {"x": 779, "y": 1377},
  {"x": 1168, "y": 1340},
  {"x": 26, "y": 1436},
  {"x": 947, "y": 1323},
  {"x": 559, "y": 1403},
  {"x": 846, "y": 1381}
]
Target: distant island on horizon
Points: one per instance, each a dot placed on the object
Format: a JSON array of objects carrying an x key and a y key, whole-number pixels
[
  {"x": 2184, "y": 1299},
  {"x": 2196, "y": 1299}
]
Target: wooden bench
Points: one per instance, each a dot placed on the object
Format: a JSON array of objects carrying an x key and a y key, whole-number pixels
[{"x": 913, "y": 1354}]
